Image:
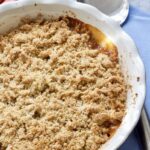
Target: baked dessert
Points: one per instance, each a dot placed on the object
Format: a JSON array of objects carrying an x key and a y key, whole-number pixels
[{"x": 60, "y": 88}]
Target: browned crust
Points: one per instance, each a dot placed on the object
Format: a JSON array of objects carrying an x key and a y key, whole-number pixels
[
  {"x": 97, "y": 38},
  {"x": 59, "y": 89}
]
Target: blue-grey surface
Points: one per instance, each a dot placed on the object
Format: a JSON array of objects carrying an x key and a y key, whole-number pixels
[{"x": 133, "y": 142}]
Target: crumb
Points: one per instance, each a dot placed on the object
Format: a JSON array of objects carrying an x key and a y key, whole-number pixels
[
  {"x": 136, "y": 94},
  {"x": 138, "y": 79}
]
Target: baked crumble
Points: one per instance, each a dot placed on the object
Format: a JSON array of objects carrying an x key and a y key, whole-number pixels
[{"x": 59, "y": 89}]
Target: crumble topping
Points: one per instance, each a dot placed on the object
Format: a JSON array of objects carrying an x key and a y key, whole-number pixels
[{"x": 57, "y": 91}]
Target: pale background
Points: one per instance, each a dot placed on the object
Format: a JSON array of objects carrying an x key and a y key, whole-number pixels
[
  {"x": 143, "y": 4},
  {"x": 114, "y": 4}
]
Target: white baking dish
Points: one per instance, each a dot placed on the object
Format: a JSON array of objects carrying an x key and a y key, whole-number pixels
[{"x": 132, "y": 66}]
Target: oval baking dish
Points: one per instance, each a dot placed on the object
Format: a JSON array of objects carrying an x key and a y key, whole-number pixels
[{"x": 131, "y": 64}]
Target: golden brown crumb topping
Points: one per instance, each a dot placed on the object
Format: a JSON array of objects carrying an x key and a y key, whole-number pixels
[{"x": 57, "y": 91}]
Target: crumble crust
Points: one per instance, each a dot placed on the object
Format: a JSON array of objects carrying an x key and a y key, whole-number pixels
[{"x": 57, "y": 90}]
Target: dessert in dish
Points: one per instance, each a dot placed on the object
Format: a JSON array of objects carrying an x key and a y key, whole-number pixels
[{"x": 61, "y": 86}]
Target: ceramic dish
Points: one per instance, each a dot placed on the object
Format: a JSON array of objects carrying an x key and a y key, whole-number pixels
[{"x": 132, "y": 66}]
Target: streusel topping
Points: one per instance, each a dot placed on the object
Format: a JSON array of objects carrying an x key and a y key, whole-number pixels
[{"x": 57, "y": 91}]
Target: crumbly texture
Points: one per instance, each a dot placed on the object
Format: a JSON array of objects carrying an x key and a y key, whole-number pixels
[{"x": 57, "y": 91}]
